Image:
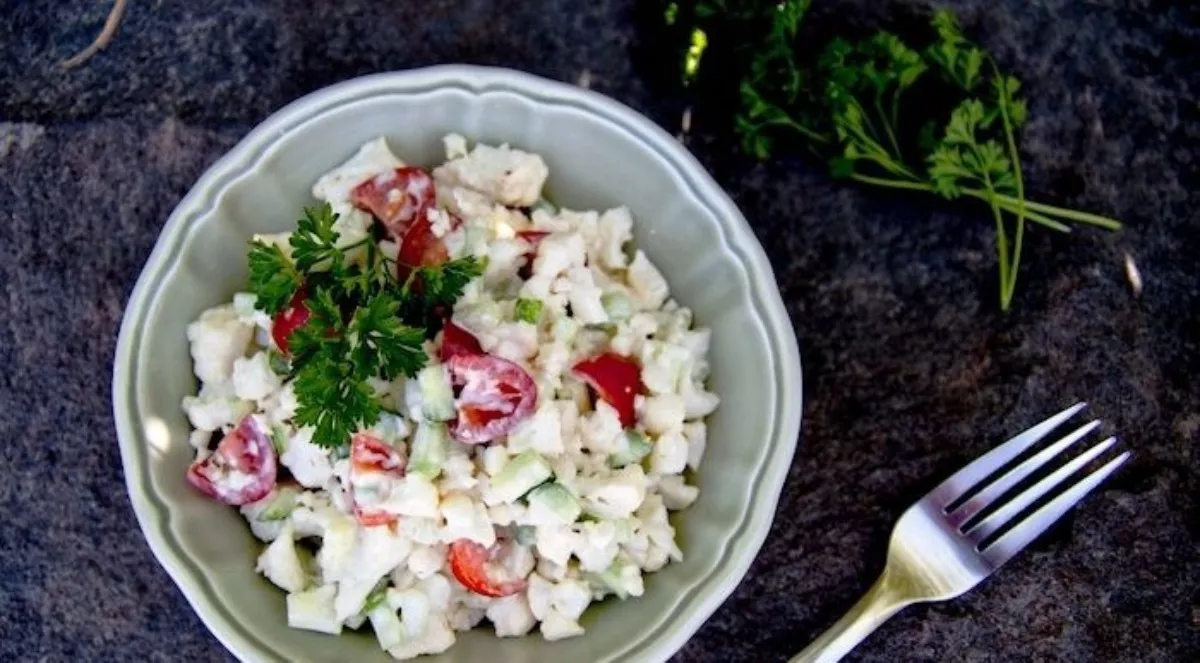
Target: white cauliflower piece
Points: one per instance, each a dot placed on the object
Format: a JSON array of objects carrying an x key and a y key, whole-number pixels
[
  {"x": 601, "y": 430},
  {"x": 584, "y": 296},
  {"x": 215, "y": 407},
  {"x": 425, "y": 561},
  {"x": 415, "y": 495},
  {"x": 493, "y": 458},
  {"x": 511, "y": 616},
  {"x": 436, "y": 638},
  {"x": 281, "y": 564},
  {"x": 218, "y": 338},
  {"x": 696, "y": 434},
  {"x": 556, "y": 544},
  {"x": 253, "y": 379},
  {"x": 466, "y": 519},
  {"x": 614, "y": 229},
  {"x": 676, "y": 494},
  {"x": 542, "y": 432},
  {"x": 309, "y": 464},
  {"x": 619, "y": 495},
  {"x": 511, "y": 177},
  {"x": 664, "y": 367},
  {"x": 697, "y": 401},
  {"x": 647, "y": 283},
  {"x": 371, "y": 159},
  {"x": 661, "y": 413},
  {"x": 669, "y": 454},
  {"x": 596, "y": 546}
]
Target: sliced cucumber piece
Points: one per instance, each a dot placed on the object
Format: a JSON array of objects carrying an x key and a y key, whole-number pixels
[
  {"x": 437, "y": 397},
  {"x": 544, "y": 205},
  {"x": 616, "y": 305},
  {"x": 614, "y": 578},
  {"x": 519, "y": 475},
  {"x": 429, "y": 448},
  {"x": 281, "y": 505},
  {"x": 634, "y": 448},
  {"x": 313, "y": 610},
  {"x": 557, "y": 500},
  {"x": 528, "y": 310},
  {"x": 525, "y": 535},
  {"x": 386, "y": 625},
  {"x": 279, "y": 440}
]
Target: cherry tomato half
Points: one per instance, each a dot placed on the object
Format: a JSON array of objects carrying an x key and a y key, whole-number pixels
[
  {"x": 472, "y": 566},
  {"x": 242, "y": 468},
  {"x": 396, "y": 197},
  {"x": 616, "y": 380},
  {"x": 371, "y": 456},
  {"x": 291, "y": 318},
  {"x": 457, "y": 341},
  {"x": 494, "y": 395}
]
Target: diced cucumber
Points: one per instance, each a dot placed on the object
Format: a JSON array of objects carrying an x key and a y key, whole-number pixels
[
  {"x": 437, "y": 397},
  {"x": 386, "y": 624},
  {"x": 544, "y": 205},
  {"x": 428, "y": 449},
  {"x": 519, "y": 475},
  {"x": 525, "y": 535},
  {"x": 528, "y": 310},
  {"x": 279, "y": 439},
  {"x": 313, "y": 610},
  {"x": 557, "y": 499},
  {"x": 634, "y": 448},
  {"x": 613, "y": 578},
  {"x": 376, "y": 597},
  {"x": 565, "y": 330},
  {"x": 616, "y": 305},
  {"x": 281, "y": 505},
  {"x": 280, "y": 364}
]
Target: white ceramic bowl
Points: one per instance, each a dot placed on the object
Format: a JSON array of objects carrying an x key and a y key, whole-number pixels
[{"x": 601, "y": 154}]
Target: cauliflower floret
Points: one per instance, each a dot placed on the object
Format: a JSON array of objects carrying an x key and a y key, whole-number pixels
[
  {"x": 414, "y": 495},
  {"x": 215, "y": 407},
  {"x": 555, "y": 544},
  {"x": 218, "y": 337},
  {"x": 425, "y": 561},
  {"x": 619, "y": 495},
  {"x": 511, "y": 177},
  {"x": 253, "y": 379},
  {"x": 511, "y": 616},
  {"x": 597, "y": 545},
  {"x": 647, "y": 283},
  {"x": 697, "y": 401},
  {"x": 583, "y": 295},
  {"x": 542, "y": 433},
  {"x": 505, "y": 257},
  {"x": 697, "y": 437},
  {"x": 556, "y": 627},
  {"x": 661, "y": 413},
  {"x": 571, "y": 598},
  {"x": 281, "y": 564},
  {"x": 675, "y": 493},
  {"x": 514, "y": 341},
  {"x": 371, "y": 159},
  {"x": 421, "y": 530},
  {"x": 556, "y": 254},
  {"x": 466, "y": 519},
  {"x": 455, "y": 145},
  {"x": 458, "y": 472},
  {"x": 614, "y": 229},
  {"x": 376, "y": 551},
  {"x": 436, "y": 638},
  {"x": 439, "y": 590},
  {"x": 601, "y": 430},
  {"x": 664, "y": 367},
  {"x": 309, "y": 464},
  {"x": 669, "y": 455},
  {"x": 281, "y": 406},
  {"x": 245, "y": 305}
]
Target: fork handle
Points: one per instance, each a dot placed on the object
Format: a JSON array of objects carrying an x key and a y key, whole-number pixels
[{"x": 883, "y": 600}]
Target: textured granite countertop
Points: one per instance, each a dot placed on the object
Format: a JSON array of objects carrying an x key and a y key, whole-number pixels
[{"x": 909, "y": 369}]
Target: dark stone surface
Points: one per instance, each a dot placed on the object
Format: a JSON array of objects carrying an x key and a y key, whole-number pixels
[{"x": 910, "y": 371}]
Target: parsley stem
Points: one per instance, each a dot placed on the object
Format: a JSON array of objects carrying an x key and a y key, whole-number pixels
[
  {"x": 887, "y": 127},
  {"x": 1005, "y": 101},
  {"x": 1074, "y": 215},
  {"x": 1004, "y": 258}
]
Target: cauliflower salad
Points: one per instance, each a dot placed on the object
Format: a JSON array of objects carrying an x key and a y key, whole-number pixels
[{"x": 444, "y": 402}]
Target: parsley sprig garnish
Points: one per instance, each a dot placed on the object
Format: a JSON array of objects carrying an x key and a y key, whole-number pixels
[
  {"x": 364, "y": 322},
  {"x": 857, "y": 104}
]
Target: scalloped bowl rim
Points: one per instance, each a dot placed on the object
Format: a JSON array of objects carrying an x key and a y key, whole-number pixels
[{"x": 707, "y": 593}]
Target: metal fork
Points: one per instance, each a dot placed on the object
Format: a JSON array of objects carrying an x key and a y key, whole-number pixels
[{"x": 939, "y": 550}]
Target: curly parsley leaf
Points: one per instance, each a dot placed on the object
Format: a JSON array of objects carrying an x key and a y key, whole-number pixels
[
  {"x": 273, "y": 277},
  {"x": 333, "y": 399},
  {"x": 314, "y": 242},
  {"x": 848, "y": 106},
  {"x": 383, "y": 345},
  {"x": 443, "y": 284}
]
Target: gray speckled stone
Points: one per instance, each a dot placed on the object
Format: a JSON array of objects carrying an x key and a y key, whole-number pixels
[{"x": 910, "y": 370}]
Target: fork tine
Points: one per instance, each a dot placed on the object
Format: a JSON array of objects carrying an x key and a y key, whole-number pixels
[
  {"x": 997, "y": 519},
  {"x": 966, "y": 478},
  {"x": 995, "y": 489},
  {"x": 1015, "y": 540}
]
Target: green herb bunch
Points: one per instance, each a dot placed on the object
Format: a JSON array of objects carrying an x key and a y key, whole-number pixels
[
  {"x": 848, "y": 103},
  {"x": 364, "y": 321}
]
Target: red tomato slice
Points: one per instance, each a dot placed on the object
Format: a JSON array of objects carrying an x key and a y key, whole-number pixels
[
  {"x": 241, "y": 470},
  {"x": 290, "y": 319},
  {"x": 396, "y": 197},
  {"x": 616, "y": 379},
  {"x": 534, "y": 237},
  {"x": 370, "y": 455},
  {"x": 457, "y": 341},
  {"x": 472, "y": 566},
  {"x": 494, "y": 395}
]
